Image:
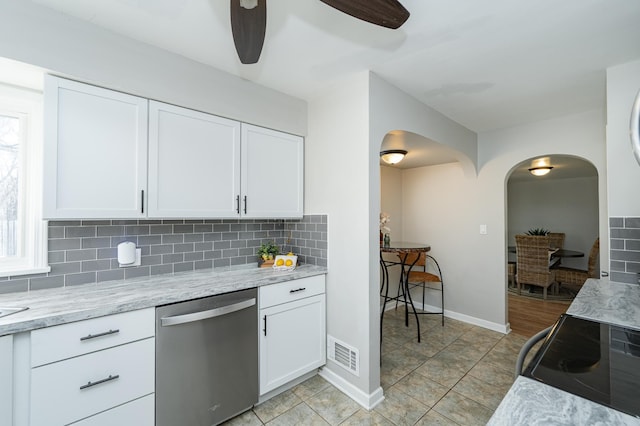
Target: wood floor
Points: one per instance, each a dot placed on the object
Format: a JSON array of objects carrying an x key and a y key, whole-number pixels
[{"x": 527, "y": 316}]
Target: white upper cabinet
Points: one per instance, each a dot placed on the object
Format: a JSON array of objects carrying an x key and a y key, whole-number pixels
[
  {"x": 194, "y": 162},
  {"x": 95, "y": 152},
  {"x": 110, "y": 155},
  {"x": 272, "y": 173}
]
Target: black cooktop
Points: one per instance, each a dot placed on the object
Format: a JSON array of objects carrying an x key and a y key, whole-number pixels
[{"x": 597, "y": 361}]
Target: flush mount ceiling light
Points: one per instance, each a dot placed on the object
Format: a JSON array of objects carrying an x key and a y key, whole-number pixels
[
  {"x": 392, "y": 156},
  {"x": 540, "y": 171}
]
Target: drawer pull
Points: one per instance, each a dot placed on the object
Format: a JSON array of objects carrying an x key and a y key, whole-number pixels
[
  {"x": 93, "y": 336},
  {"x": 108, "y": 379},
  {"x": 297, "y": 290}
]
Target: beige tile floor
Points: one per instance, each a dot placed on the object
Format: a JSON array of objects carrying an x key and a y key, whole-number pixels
[{"x": 457, "y": 375}]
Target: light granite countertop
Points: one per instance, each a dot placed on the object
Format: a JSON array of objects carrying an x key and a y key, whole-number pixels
[
  {"x": 59, "y": 306},
  {"x": 530, "y": 402}
]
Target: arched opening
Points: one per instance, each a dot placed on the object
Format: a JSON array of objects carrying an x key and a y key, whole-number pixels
[{"x": 563, "y": 202}]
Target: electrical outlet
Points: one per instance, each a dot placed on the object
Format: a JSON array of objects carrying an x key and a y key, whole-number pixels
[{"x": 483, "y": 229}]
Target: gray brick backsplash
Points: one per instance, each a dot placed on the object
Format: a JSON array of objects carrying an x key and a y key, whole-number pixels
[
  {"x": 95, "y": 222},
  {"x": 193, "y": 238},
  {"x": 110, "y": 275},
  {"x": 161, "y": 229},
  {"x": 183, "y": 229},
  {"x": 172, "y": 238},
  {"x": 82, "y": 278},
  {"x": 173, "y": 258},
  {"x": 84, "y": 251},
  {"x": 100, "y": 242},
  {"x": 203, "y": 264},
  {"x": 625, "y": 249},
  {"x": 46, "y": 282},
  {"x": 110, "y": 231},
  {"x": 183, "y": 267},
  {"x": 65, "y": 244},
  {"x": 14, "y": 285},
  {"x": 161, "y": 269},
  {"x": 632, "y": 222},
  {"x": 56, "y": 256},
  {"x": 625, "y": 233},
  {"x": 96, "y": 265},
  {"x": 56, "y": 232},
  {"x": 85, "y": 254},
  {"x": 140, "y": 271}
]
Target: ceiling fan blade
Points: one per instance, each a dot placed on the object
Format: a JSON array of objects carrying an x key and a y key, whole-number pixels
[
  {"x": 248, "y": 24},
  {"x": 386, "y": 13}
]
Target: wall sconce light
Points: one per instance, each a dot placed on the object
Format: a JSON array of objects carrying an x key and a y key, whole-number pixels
[
  {"x": 392, "y": 156},
  {"x": 540, "y": 171}
]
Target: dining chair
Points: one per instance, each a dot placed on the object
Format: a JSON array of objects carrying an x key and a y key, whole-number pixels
[
  {"x": 577, "y": 277},
  {"x": 556, "y": 239},
  {"x": 426, "y": 273},
  {"x": 532, "y": 254}
]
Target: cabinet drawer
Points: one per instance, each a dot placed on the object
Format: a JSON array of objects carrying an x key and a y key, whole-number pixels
[
  {"x": 291, "y": 290},
  {"x": 82, "y": 337},
  {"x": 76, "y": 388},
  {"x": 135, "y": 413}
]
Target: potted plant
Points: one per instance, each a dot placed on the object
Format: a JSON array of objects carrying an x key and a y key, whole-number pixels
[
  {"x": 537, "y": 231},
  {"x": 266, "y": 253}
]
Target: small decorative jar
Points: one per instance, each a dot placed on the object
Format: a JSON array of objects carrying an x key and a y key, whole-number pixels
[{"x": 387, "y": 240}]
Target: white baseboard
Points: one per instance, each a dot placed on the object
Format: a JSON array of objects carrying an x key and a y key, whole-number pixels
[
  {"x": 367, "y": 401},
  {"x": 500, "y": 328}
]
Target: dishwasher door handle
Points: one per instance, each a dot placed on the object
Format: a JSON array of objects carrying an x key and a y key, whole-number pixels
[{"x": 202, "y": 315}]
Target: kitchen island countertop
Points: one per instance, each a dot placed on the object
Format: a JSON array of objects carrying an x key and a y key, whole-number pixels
[
  {"x": 529, "y": 402},
  {"x": 59, "y": 306}
]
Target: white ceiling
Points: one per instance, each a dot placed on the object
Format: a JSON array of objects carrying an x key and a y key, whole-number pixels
[{"x": 486, "y": 64}]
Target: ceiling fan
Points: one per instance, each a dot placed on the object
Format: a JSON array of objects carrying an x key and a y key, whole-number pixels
[{"x": 249, "y": 20}]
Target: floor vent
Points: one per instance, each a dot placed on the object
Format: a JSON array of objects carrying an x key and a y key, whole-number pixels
[{"x": 344, "y": 355}]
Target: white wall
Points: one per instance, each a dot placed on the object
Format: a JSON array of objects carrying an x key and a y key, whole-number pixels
[
  {"x": 623, "y": 83},
  {"x": 580, "y": 135},
  {"x": 72, "y": 48},
  {"x": 440, "y": 207},
  {"x": 337, "y": 185},
  {"x": 559, "y": 205},
  {"x": 391, "y": 203},
  {"x": 391, "y": 199},
  {"x": 444, "y": 206}
]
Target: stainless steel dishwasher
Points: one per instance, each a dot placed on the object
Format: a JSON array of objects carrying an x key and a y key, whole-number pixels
[{"x": 206, "y": 359}]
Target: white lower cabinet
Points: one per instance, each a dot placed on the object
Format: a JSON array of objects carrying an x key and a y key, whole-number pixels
[
  {"x": 292, "y": 330},
  {"x": 100, "y": 372},
  {"x": 135, "y": 413}
]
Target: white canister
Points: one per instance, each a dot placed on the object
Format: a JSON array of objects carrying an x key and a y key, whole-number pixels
[{"x": 126, "y": 253}]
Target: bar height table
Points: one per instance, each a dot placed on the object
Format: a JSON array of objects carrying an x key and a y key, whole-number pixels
[{"x": 402, "y": 248}]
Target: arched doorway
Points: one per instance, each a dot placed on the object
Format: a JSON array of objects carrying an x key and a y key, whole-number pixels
[{"x": 563, "y": 201}]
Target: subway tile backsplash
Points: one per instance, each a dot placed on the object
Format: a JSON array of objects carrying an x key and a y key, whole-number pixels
[
  {"x": 84, "y": 251},
  {"x": 624, "y": 249}
]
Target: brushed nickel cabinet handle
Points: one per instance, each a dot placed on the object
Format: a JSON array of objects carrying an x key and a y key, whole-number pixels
[
  {"x": 93, "y": 336},
  {"x": 98, "y": 382}
]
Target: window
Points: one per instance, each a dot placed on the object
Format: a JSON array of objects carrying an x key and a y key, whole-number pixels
[{"x": 23, "y": 245}]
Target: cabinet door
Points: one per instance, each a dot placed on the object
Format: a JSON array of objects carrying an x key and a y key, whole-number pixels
[
  {"x": 272, "y": 173},
  {"x": 292, "y": 341},
  {"x": 6, "y": 380},
  {"x": 194, "y": 163},
  {"x": 95, "y": 152}
]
